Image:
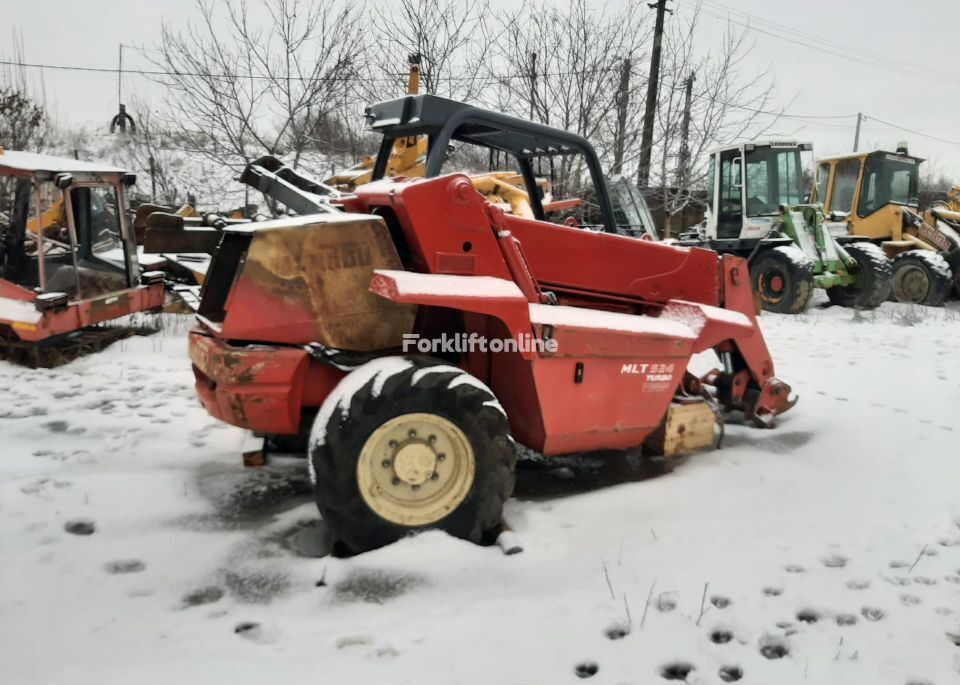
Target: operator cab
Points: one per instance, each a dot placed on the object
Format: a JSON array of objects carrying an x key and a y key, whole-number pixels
[
  {"x": 887, "y": 178},
  {"x": 493, "y": 141},
  {"x": 747, "y": 185},
  {"x": 63, "y": 226}
]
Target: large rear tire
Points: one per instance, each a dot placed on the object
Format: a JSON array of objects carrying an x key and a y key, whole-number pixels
[
  {"x": 874, "y": 280},
  {"x": 921, "y": 277},
  {"x": 783, "y": 277},
  {"x": 406, "y": 444}
]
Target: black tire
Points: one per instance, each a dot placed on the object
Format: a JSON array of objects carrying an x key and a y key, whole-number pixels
[
  {"x": 783, "y": 277},
  {"x": 921, "y": 277},
  {"x": 393, "y": 387},
  {"x": 874, "y": 280}
]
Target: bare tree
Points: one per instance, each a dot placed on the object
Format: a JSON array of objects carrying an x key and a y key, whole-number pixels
[
  {"x": 25, "y": 122},
  {"x": 561, "y": 65},
  {"x": 262, "y": 78},
  {"x": 451, "y": 38},
  {"x": 728, "y": 103},
  {"x": 933, "y": 178}
]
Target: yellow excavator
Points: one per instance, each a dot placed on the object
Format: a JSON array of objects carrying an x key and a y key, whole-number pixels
[
  {"x": 874, "y": 196},
  {"x": 52, "y": 219}
]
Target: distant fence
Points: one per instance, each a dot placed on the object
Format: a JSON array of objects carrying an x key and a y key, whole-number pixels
[{"x": 671, "y": 226}]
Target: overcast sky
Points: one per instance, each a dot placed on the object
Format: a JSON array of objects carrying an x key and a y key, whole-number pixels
[{"x": 921, "y": 93}]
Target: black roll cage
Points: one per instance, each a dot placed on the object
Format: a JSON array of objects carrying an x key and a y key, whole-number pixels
[{"x": 443, "y": 121}]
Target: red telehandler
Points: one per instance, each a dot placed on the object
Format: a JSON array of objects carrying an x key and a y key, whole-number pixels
[{"x": 313, "y": 325}]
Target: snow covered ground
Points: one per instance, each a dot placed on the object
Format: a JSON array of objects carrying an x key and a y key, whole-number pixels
[{"x": 824, "y": 551}]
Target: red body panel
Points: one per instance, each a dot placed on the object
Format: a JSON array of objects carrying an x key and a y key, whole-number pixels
[
  {"x": 612, "y": 375},
  {"x": 263, "y": 388},
  {"x": 81, "y": 313}
]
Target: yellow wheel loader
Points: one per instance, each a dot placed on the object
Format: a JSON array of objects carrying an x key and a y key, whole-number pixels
[{"x": 874, "y": 195}]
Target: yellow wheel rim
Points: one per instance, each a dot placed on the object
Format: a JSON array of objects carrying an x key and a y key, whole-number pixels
[{"x": 415, "y": 469}]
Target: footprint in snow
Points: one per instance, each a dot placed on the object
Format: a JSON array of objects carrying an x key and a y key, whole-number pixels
[
  {"x": 808, "y": 616},
  {"x": 666, "y": 603},
  {"x": 873, "y": 613},
  {"x": 80, "y": 527},
  {"x": 204, "y": 595},
  {"x": 720, "y": 636},
  {"x": 794, "y": 568},
  {"x": 617, "y": 631},
  {"x": 925, "y": 580},
  {"x": 899, "y": 563},
  {"x": 122, "y": 566},
  {"x": 730, "y": 674},
  {"x": 253, "y": 631},
  {"x": 720, "y": 601},
  {"x": 834, "y": 561},
  {"x": 678, "y": 670},
  {"x": 772, "y": 591},
  {"x": 910, "y": 600},
  {"x": 772, "y": 647},
  {"x": 858, "y": 584},
  {"x": 846, "y": 619},
  {"x": 586, "y": 669},
  {"x": 354, "y": 641}
]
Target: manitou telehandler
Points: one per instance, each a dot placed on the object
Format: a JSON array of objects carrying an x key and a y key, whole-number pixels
[
  {"x": 68, "y": 259},
  {"x": 758, "y": 210},
  {"x": 874, "y": 196},
  {"x": 417, "y": 330}
]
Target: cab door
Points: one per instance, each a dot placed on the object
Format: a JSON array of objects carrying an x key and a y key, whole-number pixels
[{"x": 730, "y": 200}]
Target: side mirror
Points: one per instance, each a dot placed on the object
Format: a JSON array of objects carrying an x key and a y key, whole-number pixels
[
  {"x": 63, "y": 181},
  {"x": 128, "y": 179}
]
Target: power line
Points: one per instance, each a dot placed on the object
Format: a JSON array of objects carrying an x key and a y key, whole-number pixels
[
  {"x": 837, "y": 49},
  {"x": 352, "y": 78},
  {"x": 913, "y": 131},
  {"x": 493, "y": 78}
]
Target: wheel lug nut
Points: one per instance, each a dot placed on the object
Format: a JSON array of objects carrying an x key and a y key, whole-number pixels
[
  {"x": 412, "y": 433},
  {"x": 392, "y": 443},
  {"x": 415, "y": 487},
  {"x": 432, "y": 439},
  {"x": 441, "y": 456},
  {"x": 396, "y": 481},
  {"x": 434, "y": 476},
  {"x": 386, "y": 463}
]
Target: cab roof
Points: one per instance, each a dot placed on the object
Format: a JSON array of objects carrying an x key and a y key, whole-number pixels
[
  {"x": 784, "y": 144},
  {"x": 867, "y": 153},
  {"x": 20, "y": 163},
  {"x": 430, "y": 114}
]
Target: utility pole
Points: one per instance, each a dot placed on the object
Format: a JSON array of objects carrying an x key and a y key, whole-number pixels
[
  {"x": 623, "y": 101},
  {"x": 856, "y": 136},
  {"x": 533, "y": 84},
  {"x": 120, "y": 78},
  {"x": 646, "y": 142},
  {"x": 685, "y": 135},
  {"x": 153, "y": 180}
]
